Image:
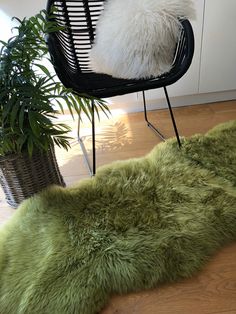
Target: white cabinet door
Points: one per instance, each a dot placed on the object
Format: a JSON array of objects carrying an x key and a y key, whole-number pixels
[
  {"x": 218, "y": 64},
  {"x": 189, "y": 83}
]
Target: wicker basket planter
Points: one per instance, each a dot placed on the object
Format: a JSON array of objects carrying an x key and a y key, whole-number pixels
[{"x": 22, "y": 176}]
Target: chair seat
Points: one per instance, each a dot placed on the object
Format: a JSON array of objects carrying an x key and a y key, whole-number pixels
[
  {"x": 102, "y": 85},
  {"x": 73, "y": 67}
]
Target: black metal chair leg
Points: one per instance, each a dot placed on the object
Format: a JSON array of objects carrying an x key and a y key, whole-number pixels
[
  {"x": 172, "y": 117},
  {"x": 93, "y": 139},
  {"x": 92, "y": 169},
  {"x": 149, "y": 124}
]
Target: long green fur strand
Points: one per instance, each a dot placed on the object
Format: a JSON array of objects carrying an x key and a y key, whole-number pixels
[{"x": 137, "y": 224}]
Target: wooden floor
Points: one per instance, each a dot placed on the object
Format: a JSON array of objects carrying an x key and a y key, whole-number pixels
[{"x": 213, "y": 290}]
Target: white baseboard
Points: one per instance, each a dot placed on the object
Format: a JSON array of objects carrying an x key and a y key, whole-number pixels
[{"x": 136, "y": 104}]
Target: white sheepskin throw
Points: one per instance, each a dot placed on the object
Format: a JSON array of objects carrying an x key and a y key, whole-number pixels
[{"x": 137, "y": 38}]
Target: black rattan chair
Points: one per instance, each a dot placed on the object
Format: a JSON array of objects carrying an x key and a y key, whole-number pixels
[{"x": 69, "y": 52}]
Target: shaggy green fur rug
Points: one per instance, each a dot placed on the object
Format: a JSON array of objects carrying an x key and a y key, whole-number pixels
[{"x": 137, "y": 224}]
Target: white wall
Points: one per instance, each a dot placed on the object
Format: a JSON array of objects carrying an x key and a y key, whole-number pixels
[
  {"x": 22, "y": 8},
  {"x": 19, "y": 8}
]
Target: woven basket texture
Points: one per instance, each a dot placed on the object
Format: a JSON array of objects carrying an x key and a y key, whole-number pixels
[{"x": 22, "y": 176}]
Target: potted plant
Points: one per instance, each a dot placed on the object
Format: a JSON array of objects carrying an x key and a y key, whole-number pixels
[{"x": 28, "y": 115}]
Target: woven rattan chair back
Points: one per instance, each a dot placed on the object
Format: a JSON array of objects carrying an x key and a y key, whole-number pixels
[{"x": 79, "y": 19}]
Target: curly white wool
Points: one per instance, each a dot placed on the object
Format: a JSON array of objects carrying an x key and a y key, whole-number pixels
[{"x": 137, "y": 38}]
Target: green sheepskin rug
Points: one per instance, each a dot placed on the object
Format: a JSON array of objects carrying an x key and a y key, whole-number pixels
[{"x": 137, "y": 224}]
